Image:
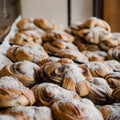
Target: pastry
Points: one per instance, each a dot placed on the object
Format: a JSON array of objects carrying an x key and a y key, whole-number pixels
[
  {"x": 92, "y": 35},
  {"x": 28, "y": 113},
  {"x": 82, "y": 109},
  {"x": 4, "y": 61},
  {"x": 109, "y": 40},
  {"x": 7, "y": 117},
  {"x": 33, "y": 53},
  {"x": 83, "y": 45},
  {"x": 116, "y": 93},
  {"x": 25, "y": 24},
  {"x": 57, "y": 35},
  {"x": 97, "y": 69},
  {"x": 114, "y": 64},
  {"x": 65, "y": 49},
  {"x": 95, "y": 55},
  {"x": 69, "y": 76},
  {"x": 95, "y": 22},
  {"x": 113, "y": 53},
  {"x": 13, "y": 93},
  {"x": 46, "y": 24},
  {"x": 101, "y": 92},
  {"x": 47, "y": 93},
  {"x": 110, "y": 112},
  {"x": 28, "y": 37},
  {"x": 113, "y": 79},
  {"x": 24, "y": 71}
]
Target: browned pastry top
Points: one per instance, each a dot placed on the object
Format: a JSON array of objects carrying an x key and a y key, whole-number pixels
[
  {"x": 95, "y": 22},
  {"x": 29, "y": 113},
  {"x": 95, "y": 55},
  {"x": 114, "y": 64},
  {"x": 13, "y": 93},
  {"x": 25, "y": 24},
  {"x": 111, "y": 112},
  {"x": 98, "y": 69},
  {"x": 48, "y": 93},
  {"x": 24, "y": 71},
  {"x": 101, "y": 92},
  {"x": 28, "y": 37},
  {"x": 82, "y": 109},
  {"x": 33, "y": 53},
  {"x": 69, "y": 76},
  {"x": 65, "y": 49},
  {"x": 46, "y": 24},
  {"x": 57, "y": 35}
]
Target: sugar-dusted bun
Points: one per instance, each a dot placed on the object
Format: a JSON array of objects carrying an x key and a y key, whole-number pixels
[
  {"x": 24, "y": 71},
  {"x": 82, "y": 109},
  {"x": 46, "y": 24},
  {"x": 28, "y": 113},
  {"x": 65, "y": 49},
  {"x": 13, "y": 93},
  {"x": 98, "y": 69},
  {"x": 48, "y": 93},
  {"x": 101, "y": 92},
  {"x": 69, "y": 76},
  {"x": 33, "y": 53}
]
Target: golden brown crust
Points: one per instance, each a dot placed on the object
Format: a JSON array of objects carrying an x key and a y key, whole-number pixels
[
  {"x": 57, "y": 35},
  {"x": 27, "y": 38},
  {"x": 65, "y": 49},
  {"x": 97, "y": 69},
  {"x": 69, "y": 76},
  {"x": 13, "y": 93},
  {"x": 33, "y": 53},
  {"x": 46, "y": 24},
  {"x": 24, "y": 71},
  {"x": 113, "y": 79},
  {"x": 116, "y": 93},
  {"x": 110, "y": 112},
  {"x": 28, "y": 113},
  {"x": 82, "y": 109},
  {"x": 101, "y": 92},
  {"x": 95, "y": 55},
  {"x": 83, "y": 45},
  {"x": 48, "y": 93}
]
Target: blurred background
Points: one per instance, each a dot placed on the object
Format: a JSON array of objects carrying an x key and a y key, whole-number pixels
[{"x": 64, "y": 12}]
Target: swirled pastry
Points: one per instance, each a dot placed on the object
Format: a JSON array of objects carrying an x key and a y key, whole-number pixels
[
  {"x": 24, "y": 71},
  {"x": 33, "y": 53},
  {"x": 92, "y": 35},
  {"x": 113, "y": 79},
  {"x": 116, "y": 93},
  {"x": 114, "y": 64},
  {"x": 95, "y": 22},
  {"x": 57, "y": 35},
  {"x": 83, "y": 45},
  {"x": 48, "y": 93},
  {"x": 46, "y": 24},
  {"x": 69, "y": 76},
  {"x": 25, "y": 24},
  {"x": 101, "y": 92},
  {"x": 109, "y": 40},
  {"x": 82, "y": 109},
  {"x": 110, "y": 112},
  {"x": 114, "y": 53},
  {"x": 97, "y": 69},
  {"x": 65, "y": 49},
  {"x": 13, "y": 93},
  {"x": 28, "y": 37},
  {"x": 4, "y": 61},
  {"x": 95, "y": 55},
  {"x": 28, "y": 113}
]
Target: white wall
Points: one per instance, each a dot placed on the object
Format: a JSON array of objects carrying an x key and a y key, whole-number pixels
[{"x": 57, "y": 9}]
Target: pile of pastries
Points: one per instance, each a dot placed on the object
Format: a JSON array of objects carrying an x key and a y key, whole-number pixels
[{"x": 55, "y": 73}]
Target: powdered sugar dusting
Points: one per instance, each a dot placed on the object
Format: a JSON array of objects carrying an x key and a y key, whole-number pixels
[
  {"x": 10, "y": 83},
  {"x": 6, "y": 117},
  {"x": 38, "y": 113}
]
